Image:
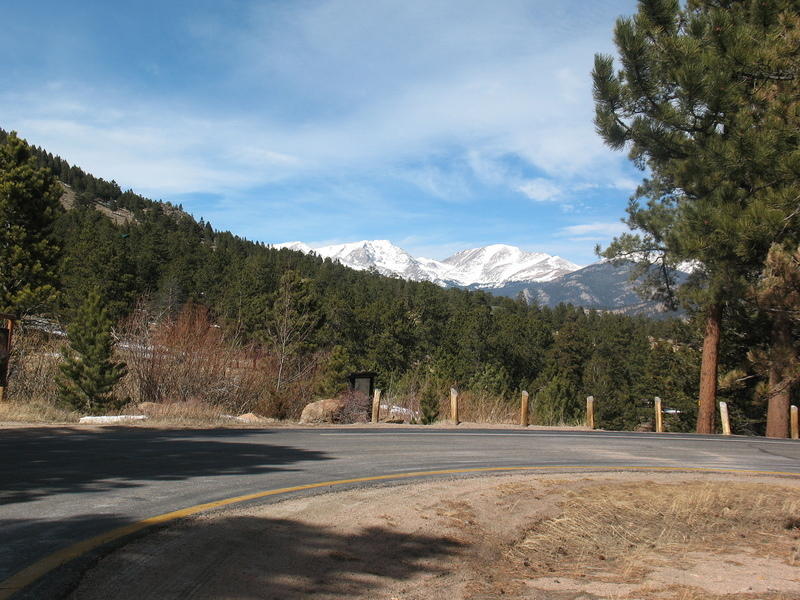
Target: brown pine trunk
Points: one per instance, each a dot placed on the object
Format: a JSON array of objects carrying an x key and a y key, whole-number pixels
[
  {"x": 708, "y": 371},
  {"x": 778, "y": 407}
]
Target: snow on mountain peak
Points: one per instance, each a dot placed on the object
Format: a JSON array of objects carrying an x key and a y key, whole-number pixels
[
  {"x": 489, "y": 266},
  {"x": 300, "y": 246},
  {"x": 498, "y": 264}
]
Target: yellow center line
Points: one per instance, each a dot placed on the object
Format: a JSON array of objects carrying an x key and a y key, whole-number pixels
[{"x": 40, "y": 568}]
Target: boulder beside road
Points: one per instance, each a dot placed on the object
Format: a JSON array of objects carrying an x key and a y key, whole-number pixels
[{"x": 323, "y": 411}]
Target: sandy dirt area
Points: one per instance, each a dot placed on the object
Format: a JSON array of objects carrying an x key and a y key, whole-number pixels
[{"x": 609, "y": 535}]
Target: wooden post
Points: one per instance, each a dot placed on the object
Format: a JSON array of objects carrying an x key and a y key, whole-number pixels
[
  {"x": 590, "y": 412},
  {"x": 723, "y": 414},
  {"x": 793, "y": 420},
  {"x": 8, "y": 321},
  {"x": 659, "y": 415},
  {"x": 376, "y": 406},
  {"x": 454, "y": 405},
  {"x": 523, "y": 410}
]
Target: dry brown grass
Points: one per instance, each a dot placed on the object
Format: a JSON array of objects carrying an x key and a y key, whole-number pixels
[
  {"x": 32, "y": 392},
  {"x": 624, "y": 530},
  {"x": 481, "y": 407},
  {"x": 35, "y": 356},
  {"x": 473, "y": 407},
  {"x": 35, "y": 411}
]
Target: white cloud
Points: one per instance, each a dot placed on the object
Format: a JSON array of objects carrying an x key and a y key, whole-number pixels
[
  {"x": 348, "y": 85},
  {"x": 540, "y": 190},
  {"x": 625, "y": 184},
  {"x": 594, "y": 231}
]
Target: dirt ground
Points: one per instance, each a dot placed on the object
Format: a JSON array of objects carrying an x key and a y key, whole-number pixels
[{"x": 609, "y": 535}]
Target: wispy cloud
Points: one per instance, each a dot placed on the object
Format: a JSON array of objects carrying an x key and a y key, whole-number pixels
[
  {"x": 283, "y": 109},
  {"x": 594, "y": 231},
  {"x": 540, "y": 190}
]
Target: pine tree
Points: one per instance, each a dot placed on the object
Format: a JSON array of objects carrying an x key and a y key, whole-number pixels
[
  {"x": 89, "y": 373},
  {"x": 333, "y": 380},
  {"x": 706, "y": 101},
  {"x": 28, "y": 206},
  {"x": 288, "y": 335},
  {"x": 778, "y": 292},
  {"x": 429, "y": 404}
]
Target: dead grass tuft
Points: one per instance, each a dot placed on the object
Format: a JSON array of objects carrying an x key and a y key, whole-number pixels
[
  {"x": 36, "y": 411},
  {"x": 624, "y": 530}
]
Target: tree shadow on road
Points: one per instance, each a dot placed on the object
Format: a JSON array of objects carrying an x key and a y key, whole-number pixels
[
  {"x": 256, "y": 557},
  {"x": 43, "y": 461}
]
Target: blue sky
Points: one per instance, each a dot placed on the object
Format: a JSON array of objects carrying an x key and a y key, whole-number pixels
[{"x": 439, "y": 125}]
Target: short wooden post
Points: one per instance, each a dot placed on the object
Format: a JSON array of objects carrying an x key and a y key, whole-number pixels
[
  {"x": 376, "y": 406},
  {"x": 590, "y": 412},
  {"x": 659, "y": 415},
  {"x": 723, "y": 414},
  {"x": 454, "y": 405},
  {"x": 795, "y": 425},
  {"x": 523, "y": 410}
]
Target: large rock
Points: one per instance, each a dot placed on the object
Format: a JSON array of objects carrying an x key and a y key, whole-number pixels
[{"x": 324, "y": 411}]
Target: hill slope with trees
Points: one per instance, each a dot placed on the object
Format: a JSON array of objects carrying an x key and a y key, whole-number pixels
[{"x": 300, "y": 324}]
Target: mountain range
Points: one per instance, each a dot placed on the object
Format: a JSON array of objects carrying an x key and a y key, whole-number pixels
[
  {"x": 502, "y": 270},
  {"x": 488, "y": 267}
]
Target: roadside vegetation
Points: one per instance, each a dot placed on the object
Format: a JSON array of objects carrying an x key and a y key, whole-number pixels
[
  {"x": 705, "y": 102},
  {"x": 219, "y": 325}
]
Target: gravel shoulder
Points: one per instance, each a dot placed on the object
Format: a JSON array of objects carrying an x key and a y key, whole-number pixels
[{"x": 606, "y": 535}]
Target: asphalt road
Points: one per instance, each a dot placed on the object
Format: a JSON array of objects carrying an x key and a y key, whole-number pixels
[{"x": 62, "y": 485}]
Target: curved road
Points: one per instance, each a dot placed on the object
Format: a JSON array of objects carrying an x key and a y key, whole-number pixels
[{"x": 62, "y": 485}]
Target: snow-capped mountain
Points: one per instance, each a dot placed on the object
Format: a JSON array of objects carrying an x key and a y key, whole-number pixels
[
  {"x": 486, "y": 267},
  {"x": 499, "y": 264}
]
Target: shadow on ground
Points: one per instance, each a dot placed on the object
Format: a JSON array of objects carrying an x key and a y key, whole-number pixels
[
  {"x": 43, "y": 461},
  {"x": 255, "y": 557}
]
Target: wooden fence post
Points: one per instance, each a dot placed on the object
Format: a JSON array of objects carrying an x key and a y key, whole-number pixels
[
  {"x": 793, "y": 419},
  {"x": 659, "y": 415},
  {"x": 590, "y": 412},
  {"x": 723, "y": 415},
  {"x": 454, "y": 405},
  {"x": 376, "y": 406},
  {"x": 523, "y": 410},
  {"x": 5, "y": 354}
]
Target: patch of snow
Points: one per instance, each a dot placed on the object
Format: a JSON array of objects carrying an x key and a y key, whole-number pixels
[{"x": 112, "y": 419}]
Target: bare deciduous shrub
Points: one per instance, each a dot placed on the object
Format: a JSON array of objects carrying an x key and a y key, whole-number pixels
[
  {"x": 187, "y": 359},
  {"x": 356, "y": 408},
  {"x": 285, "y": 397}
]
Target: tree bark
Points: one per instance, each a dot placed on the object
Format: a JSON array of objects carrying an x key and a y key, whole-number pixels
[
  {"x": 708, "y": 371},
  {"x": 778, "y": 407}
]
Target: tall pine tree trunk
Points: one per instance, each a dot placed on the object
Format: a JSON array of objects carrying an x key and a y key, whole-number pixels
[
  {"x": 778, "y": 408},
  {"x": 708, "y": 371}
]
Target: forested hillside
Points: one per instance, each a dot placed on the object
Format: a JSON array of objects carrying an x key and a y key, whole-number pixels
[{"x": 306, "y": 322}]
